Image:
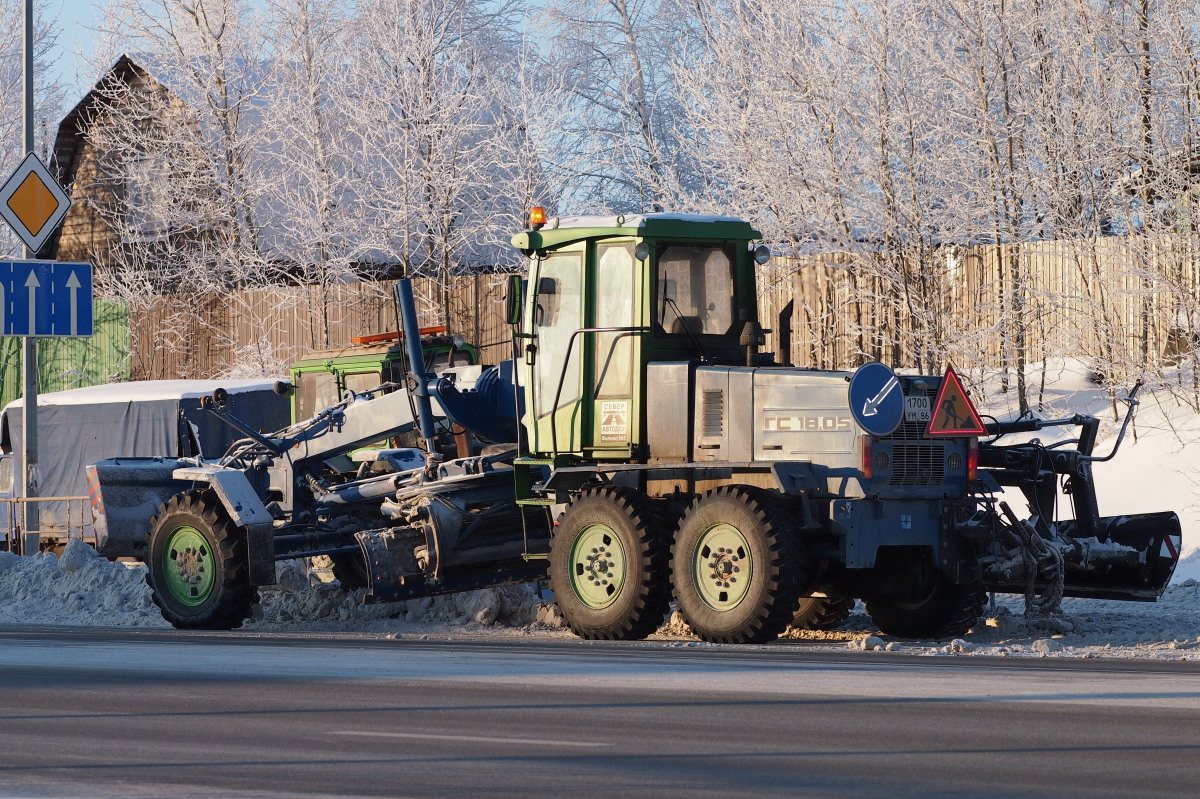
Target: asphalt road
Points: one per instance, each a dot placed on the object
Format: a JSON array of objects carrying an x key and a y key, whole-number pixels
[{"x": 113, "y": 713}]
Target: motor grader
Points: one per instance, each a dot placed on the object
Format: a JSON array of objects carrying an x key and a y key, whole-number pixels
[{"x": 640, "y": 449}]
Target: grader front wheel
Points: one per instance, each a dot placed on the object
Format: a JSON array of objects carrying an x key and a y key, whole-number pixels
[
  {"x": 608, "y": 565},
  {"x": 197, "y": 567}
]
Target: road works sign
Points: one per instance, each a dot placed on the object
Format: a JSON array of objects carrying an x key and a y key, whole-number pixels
[
  {"x": 33, "y": 203},
  {"x": 953, "y": 413},
  {"x": 45, "y": 298}
]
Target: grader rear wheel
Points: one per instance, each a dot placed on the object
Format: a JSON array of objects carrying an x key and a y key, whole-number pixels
[
  {"x": 929, "y": 606},
  {"x": 608, "y": 565},
  {"x": 822, "y": 612},
  {"x": 197, "y": 567},
  {"x": 737, "y": 566}
]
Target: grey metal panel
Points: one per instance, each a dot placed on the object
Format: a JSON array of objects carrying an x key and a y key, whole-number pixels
[
  {"x": 132, "y": 490},
  {"x": 804, "y": 416},
  {"x": 359, "y": 424},
  {"x": 668, "y": 425},
  {"x": 740, "y": 414},
  {"x": 866, "y": 525},
  {"x": 239, "y": 497}
]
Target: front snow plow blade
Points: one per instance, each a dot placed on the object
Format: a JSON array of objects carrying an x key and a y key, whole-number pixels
[
  {"x": 125, "y": 494},
  {"x": 1119, "y": 557},
  {"x": 1131, "y": 557}
]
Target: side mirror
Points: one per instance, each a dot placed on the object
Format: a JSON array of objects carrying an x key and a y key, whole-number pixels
[
  {"x": 762, "y": 254},
  {"x": 512, "y": 309}
]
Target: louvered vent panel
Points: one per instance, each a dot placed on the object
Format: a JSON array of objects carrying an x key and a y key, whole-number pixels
[{"x": 712, "y": 412}]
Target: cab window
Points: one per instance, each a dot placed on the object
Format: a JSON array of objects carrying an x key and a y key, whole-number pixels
[
  {"x": 362, "y": 382},
  {"x": 615, "y": 300},
  {"x": 315, "y": 391}
]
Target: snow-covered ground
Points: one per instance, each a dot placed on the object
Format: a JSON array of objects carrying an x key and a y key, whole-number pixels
[{"x": 1152, "y": 472}]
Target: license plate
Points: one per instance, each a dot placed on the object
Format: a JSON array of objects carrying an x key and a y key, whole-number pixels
[{"x": 917, "y": 409}]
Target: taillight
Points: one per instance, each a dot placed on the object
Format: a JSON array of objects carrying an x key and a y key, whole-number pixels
[
  {"x": 868, "y": 463},
  {"x": 973, "y": 459}
]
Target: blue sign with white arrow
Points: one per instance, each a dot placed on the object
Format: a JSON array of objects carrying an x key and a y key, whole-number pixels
[
  {"x": 45, "y": 298},
  {"x": 876, "y": 399}
]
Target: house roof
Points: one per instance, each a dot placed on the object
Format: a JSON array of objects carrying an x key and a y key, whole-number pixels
[{"x": 72, "y": 131}]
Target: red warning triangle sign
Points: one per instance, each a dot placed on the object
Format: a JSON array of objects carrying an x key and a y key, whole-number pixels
[{"x": 953, "y": 413}]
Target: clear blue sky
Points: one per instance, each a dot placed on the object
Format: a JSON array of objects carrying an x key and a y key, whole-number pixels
[{"x": 74, "y": 19}]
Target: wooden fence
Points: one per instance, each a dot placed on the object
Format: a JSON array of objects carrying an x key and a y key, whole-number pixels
[
  {"x": 1132, "y": 300},
  {"x": 261, "y": 331}
]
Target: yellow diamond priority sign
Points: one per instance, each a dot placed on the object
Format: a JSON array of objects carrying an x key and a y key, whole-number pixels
[{"x": 33, "y": 203}]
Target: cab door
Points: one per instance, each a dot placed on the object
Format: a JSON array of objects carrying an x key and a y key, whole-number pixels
[
  {"x": 613, "y": 356},
  {"x": 553, "y": 354}
]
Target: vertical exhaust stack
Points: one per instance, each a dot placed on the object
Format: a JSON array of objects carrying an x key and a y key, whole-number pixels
[{"x": 418, "y": 379}]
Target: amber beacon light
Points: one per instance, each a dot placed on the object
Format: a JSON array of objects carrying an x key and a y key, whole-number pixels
[{"x": 537, "y": 217}]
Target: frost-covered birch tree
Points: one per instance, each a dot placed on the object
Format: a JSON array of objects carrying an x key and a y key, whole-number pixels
[
  {"x": 431, "y": 133},
  {"x": 309, "y": 214},
  {"x": 620, "y": 60},
  {"x": 177, "y": 147}
]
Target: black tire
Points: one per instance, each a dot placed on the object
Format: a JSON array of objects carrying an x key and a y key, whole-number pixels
[
  {"x": 939, "y": 609},
  {"x": 622, "y": 591},
  {"x": 197, "y": 567},
  {"x": 350, "y": 570},
  {"x": 759, "y": 531},
  {"x": 821, "y": 612}
]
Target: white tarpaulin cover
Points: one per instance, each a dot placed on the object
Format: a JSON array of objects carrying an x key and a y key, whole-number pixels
[{"x": 143, "y": 418}]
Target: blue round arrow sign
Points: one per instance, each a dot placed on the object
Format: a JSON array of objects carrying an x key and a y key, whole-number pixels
[{"x": 876, "y": 399}]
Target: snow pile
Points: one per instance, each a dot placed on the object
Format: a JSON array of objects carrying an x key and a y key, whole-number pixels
[
  {"x": 83, "y": 589},
  {"x": 80, "y": 588},
  {"x": 1167, "y": 629},
  {"x": 298, "y": 601}
]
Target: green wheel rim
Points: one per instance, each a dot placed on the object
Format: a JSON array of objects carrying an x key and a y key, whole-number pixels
[
  {"x": 597, "y": 566},
  {"x": 188, "y": 565},
  {"x": 722, "y": 566}
]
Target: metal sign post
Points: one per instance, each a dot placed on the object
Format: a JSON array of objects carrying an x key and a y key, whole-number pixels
[
  {"x": 29, "y": 363},
  {"x": 37, "y": 298}
]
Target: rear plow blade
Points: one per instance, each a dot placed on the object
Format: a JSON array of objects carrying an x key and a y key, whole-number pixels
[{"x": 1131, "y": 557}]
